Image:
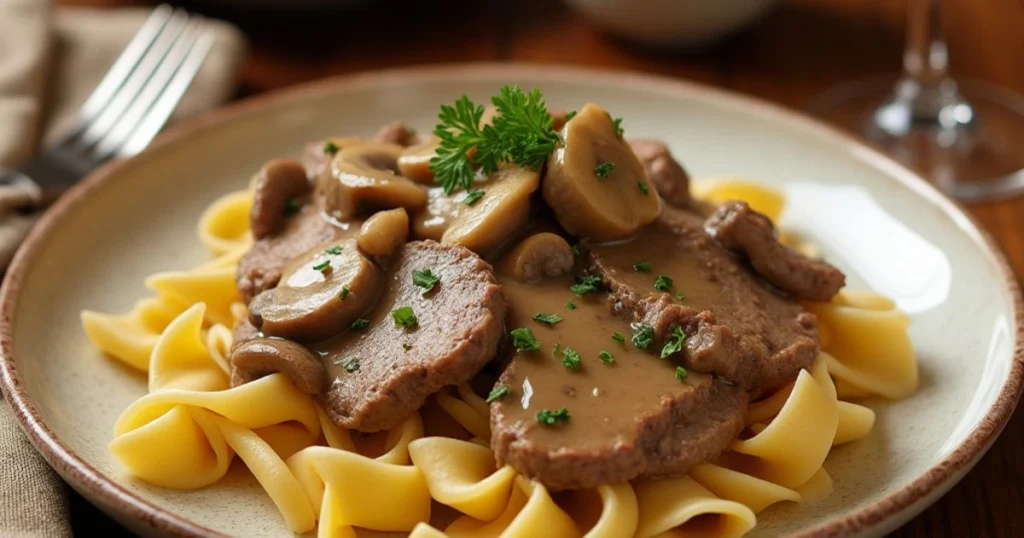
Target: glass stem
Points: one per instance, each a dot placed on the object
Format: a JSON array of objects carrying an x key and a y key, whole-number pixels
[{"x": 925, "y": 57}]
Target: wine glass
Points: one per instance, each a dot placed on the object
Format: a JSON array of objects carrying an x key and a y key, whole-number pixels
[{"x": 967, "y": 136}]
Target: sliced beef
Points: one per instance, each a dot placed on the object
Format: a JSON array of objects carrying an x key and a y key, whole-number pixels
[
  {"x": 381, "y": 374},
  {"x": 741, "y": 229},
  {"x": 668, "y": 176},
  {"x": 315, "y": 160},
  {"x": 735, "y": 325},
  {"x": 260, "y": 268}
]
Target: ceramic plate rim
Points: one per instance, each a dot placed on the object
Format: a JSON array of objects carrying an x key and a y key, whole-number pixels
[{"x": 906, "y": 501}]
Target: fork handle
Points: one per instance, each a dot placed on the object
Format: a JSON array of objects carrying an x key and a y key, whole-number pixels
[{"x": 17, "y": 190}]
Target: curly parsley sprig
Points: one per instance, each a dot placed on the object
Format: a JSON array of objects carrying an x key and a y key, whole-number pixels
[{"x": 521, "y": 133}]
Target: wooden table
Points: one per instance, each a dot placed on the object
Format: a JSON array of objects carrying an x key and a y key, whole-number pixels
[{"x": 797, "y": 51}]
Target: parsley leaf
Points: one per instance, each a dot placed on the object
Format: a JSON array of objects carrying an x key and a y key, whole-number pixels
[
  {"x": 643, "y": 335},
  {"x": 360, "y": 324},
  {"x": 497, "y": 393},
  {"x": 294, "y": 205},
  {"x": 406, "y": 346},
  {"x": 675, "y": 344},
  {"x": 642, "y": 186},
  {"x": 604, "y": 169},
  {"x": 663, "y": 283},
  {"x": 586, "y": 284},
  {"x": 681, "y": 373},
  {"x": 619, "y": 337},
  {"x": 404, "y": 317},
  {"x": 606, "y": 357},
  {"x": 349, "y": 364},
  {"x": 570, "y": 305},
  {"x": 642, "y": 267},
  {"x": 335, "y": 250},
  {"x": 524, "y": 340},
  {"x": 322, "y": 266},
  {"x": 571, "y": 359},
  {"x": 343, "y": 294},
  {"x": 570, "y": 115},
  {"x": 547, "y": 319},
  {"x": 474, "y": 196},
  {"x": 576, "y": 249},
  {"x": 617, "y": 123},
  {"x": 549, "y": 417},
  {"x": 426, "y": 279},
  {"x": 330, "y": 147},
  {"x": 680, "y": 296}
]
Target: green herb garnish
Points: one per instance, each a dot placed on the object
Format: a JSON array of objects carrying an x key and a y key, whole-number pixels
[
  {"x": 360, "y": 324},
  {"x": 549, "y": 417},
  {"x": 681, "y": 373},
  {"x": 349, "y": 364},
  {"x": 570, "y": 115},
  {"x": 330, "y": 147},
  {"x": 497, "y": 393},
  {"x": 617, "y": 123},
  {"x": 586, "y": 284},
  {"x": 343, "y": 293},
  {"x": 576, "y": 249},
  {"x": 619, "y": 337},
  {"x": 663, "y": 283},
  {"x": 474, "y": 196},
  {"x": 404, "y": 317},
  {"x": 406, "y": 346},
  {"x": 680, "y": 296},
  {"x": 294, "y": 205},
  {"x": 520, "y": 133},
  {"x": 643, "y": 187},
  {"x": 604, "y": 169},
  {"x": 322, "y": 266},
  {"x": 571, "y": 359},
  {"x": 643, "y": 335},
  {"x": 335, "y": 250},
  {"x": 675, "y": 344},
  {"x": 426, "y": 279},
  {"x": 570, "y": 305},
  {"x": 547, "y": 319},
  {"x": 606, "y": 357},
  {"x": 642, "y": 267},
  {"x": 524, "y": 340}
]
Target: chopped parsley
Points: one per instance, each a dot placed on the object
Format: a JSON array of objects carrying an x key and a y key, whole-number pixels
[
  {"x": 619, "y": 131},
  {"x": 330, "y": 147},
  {"x": 570, "y": 115},
  {"x": 426, "y": 279},
  {"x": 570, "y": 305},
  {"x": 604, "y": 169},
  {"x": 335, "y": 250},
  {"x": 343, "y": 293},
  {"x": 360, "y": 324},
  {"x": 404, "y": 317},
  {"x": 642, "y": 267},
  {"x": 680, "y": 296},
  {"x": 675, "y": 344},
  {"x": 549, "y": 417},
  {"x": 322, "y": 266},
  {"x": 497, "y": 393},
  {"x": 681, "y": 373},
  {"x": 406, "y": 346},
  {"x": 586, "y": 284},
  {"x": 349, "y": 364},
  {"x": 663, "y": 283},
  {"x": 576, "y": 249},
  {"x": 619, "y": 337},
  {"x": 606, "y": 357},
  {"x": 643, "y": 335},
  {"x": 474, "y": 196},
  {"x": 643, "y": 187},
  {"x": 524, "y": 340},
  {"x": 294, "y": 205},
  {"x": 571, "y": 359},
  {"x": 547, "y": 319}
]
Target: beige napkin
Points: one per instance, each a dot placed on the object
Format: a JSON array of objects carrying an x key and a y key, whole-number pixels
[{"x": 50, "y": 60}]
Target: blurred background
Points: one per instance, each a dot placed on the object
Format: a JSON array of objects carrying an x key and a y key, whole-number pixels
[{"x": 786, "y": 51}]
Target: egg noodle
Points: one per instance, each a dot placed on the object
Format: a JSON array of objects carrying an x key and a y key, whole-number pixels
[{"x": 186, "y": 431}]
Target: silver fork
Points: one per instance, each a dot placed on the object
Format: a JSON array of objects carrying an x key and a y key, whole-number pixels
[{"x": 128, "y": 107}]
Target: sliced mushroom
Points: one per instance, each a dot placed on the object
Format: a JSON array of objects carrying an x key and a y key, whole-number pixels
[
  {"x": 260, "y": 357},
  {"x": 497, "y": 216},
  {"x": 539, "y": 256},
  {"x": 585, "y": 203},
  {"x": 364, "y": 178},
  {"x": 320, "y": 294},
  {"x": 414, "y": 162},
  {"x": 280, "y": 183},
  {"x": 385, "y": 231}
]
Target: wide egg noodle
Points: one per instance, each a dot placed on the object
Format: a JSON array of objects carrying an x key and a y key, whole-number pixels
[{"x": 187, "y": 430}]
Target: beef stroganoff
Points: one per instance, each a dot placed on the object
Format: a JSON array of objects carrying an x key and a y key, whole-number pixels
[{"x": 524, "y": 324}]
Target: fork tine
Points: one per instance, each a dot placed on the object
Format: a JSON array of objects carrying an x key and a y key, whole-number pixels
[
  {"x": 152, "y": 90},
  {"x": 156, "y": 116},
  {"x": 122, "y": 67},
  {"x": 131, "y": 87}
]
